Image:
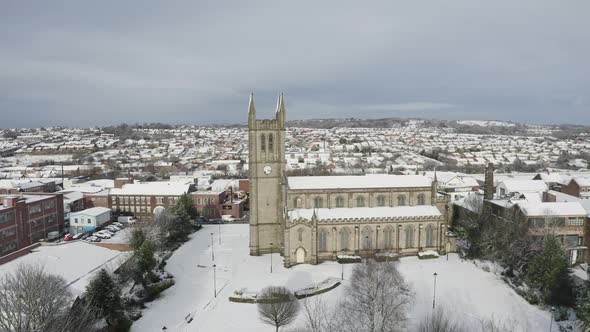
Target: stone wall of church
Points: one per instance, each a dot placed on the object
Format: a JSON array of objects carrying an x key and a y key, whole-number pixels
[
  {"x": 349, "y": 198},
  {"x": 326, "y": 240}
]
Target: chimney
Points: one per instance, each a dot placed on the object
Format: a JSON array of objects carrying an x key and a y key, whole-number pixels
[
  {"x": 489, "y": 182},
  {"x": 10, "y": 201}
]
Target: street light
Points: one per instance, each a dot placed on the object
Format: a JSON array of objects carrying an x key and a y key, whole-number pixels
[
  {"x": 434, "y": 295},
  {"x": 271, "y": 257},
  {"x": 219, "y": 224},
  {"x": 212, "y": 253},
  {"x": 214, "y": 282},
  {"x": 551, "y": 321}
]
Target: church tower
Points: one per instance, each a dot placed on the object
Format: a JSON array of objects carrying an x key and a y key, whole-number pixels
[{"x": 266, "y": 144}]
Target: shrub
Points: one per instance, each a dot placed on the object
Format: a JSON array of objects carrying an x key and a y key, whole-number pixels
[
  {"x": 154, "y": 290},
  {"x": 428, "y": 256}
]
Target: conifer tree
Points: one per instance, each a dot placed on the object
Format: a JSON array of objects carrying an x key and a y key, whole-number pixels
[{"x": 103, "y": 294}]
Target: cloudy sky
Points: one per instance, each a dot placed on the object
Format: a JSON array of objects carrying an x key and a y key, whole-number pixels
[{"x": 87, "y": 63}]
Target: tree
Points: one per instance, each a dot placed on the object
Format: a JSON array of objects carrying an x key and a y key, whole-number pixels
[
  {"x": 137, "y": 238},
  {"x": 185, "y": 203},
  {"x": 583, "y": 308},
  {"x": 549, "y": 271},
  {"x": 278, "y": 306},
  {"x": 34, "y": 300},
  {"x": 145, "y": 261},
  {"x": 439, "y": 321},
  {"x": 376, "y": 300},
  {"x": 103, "y": 295}
]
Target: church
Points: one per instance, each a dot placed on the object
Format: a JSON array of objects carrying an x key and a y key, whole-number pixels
[{"x": 311, "y": 219}]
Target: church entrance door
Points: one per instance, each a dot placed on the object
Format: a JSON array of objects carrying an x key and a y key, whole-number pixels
[{"x": 300, "y": 254}]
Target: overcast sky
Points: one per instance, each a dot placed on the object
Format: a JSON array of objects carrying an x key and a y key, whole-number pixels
[{"x": 89, "y": 63}]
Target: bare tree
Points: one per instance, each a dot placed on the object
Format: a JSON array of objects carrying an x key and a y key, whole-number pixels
[
  {"x": 278, "y": 306},
  {"x": 318, "y": 317},
  {"x": 33, "y": 300},
  {"x": 377, "y": 299},
  {"x": 439, "y": 321}
]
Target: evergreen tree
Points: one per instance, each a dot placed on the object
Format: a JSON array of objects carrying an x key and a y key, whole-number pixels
[
  {"x": 549, "y": 271},
  {"x": 137, "y": 239},
  {"x": 103, "y": 295},
  {"x": 145, "y": 259},
  {"x": 583, "y": 308},
  {"x": 186, "y": 204}
]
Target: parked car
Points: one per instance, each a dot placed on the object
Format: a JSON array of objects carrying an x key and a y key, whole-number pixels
[
  {"x": 111, "y": 228},
  {"x": 102, "y": 235},
  {"x": 68, "y": 237},
  {"x": 118, "y": 224},
  {"x": 78, "y": 236},
  {"x": 93, "y": 239},
  {"x": 86, "y": 235}
]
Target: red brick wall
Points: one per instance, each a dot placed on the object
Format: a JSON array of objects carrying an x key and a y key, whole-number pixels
[{"x": 571, "y": 188}]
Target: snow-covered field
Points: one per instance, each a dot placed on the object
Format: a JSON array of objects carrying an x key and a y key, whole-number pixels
[
  {"x": 75, "y": 261},
  {"x": 466, "y": 291}
]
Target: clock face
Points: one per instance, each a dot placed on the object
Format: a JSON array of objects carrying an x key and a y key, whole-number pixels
[{"x": 267, "y": 170}]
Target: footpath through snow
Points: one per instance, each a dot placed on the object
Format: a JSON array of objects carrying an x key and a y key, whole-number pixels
[{"x": 467, "y": 292}]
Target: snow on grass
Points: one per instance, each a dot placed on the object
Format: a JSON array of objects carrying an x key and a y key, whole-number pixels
[
  {"x": 75, "y": 261},
  {"x": 467, "y": 292},
  {"x": 428, "y": 253}
]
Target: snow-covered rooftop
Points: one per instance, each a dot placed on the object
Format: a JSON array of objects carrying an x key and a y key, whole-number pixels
[
  {"x": 522, "y": 186},
  {"x": 361, "y": 181},
  {"x": 95, "y": 211},
  {"x": 152, "y": 188},
  {"x": 552, "y": 209},
  {"x": 366, "y": 212}
]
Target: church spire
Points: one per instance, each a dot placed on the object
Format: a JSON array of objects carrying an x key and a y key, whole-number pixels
[
  {"x": 251, "y": 111},
  {"x": 280, "y": 112}
]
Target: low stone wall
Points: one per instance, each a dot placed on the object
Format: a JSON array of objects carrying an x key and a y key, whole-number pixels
[
  {"x": 113, "y": 246},
  {"x": 18, "y": 253}
]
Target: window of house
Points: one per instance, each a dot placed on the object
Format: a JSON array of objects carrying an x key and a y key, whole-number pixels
[
  {"x": 36, "y": 223},
  {"x": 366, "y": 235},
  {"x": 360, "y": 201},
  {"x": 421, "y": 200},
  {"x": 430, "y": 236},
  {"x": 318, "y": 202},
  {"x": 344, "y": 236},
  {"x": 409, "y": 231},
  {"x": 160, "y": 200},
  {"x": 401, "y": 200},
  {"x": 88, "y": 220},
  {"x": 339, "y": 202},
  {"x": 380, "y": 200},
  {"x": 48, "y": 205},
  {"x": 35, "y": 209},
  {"x": 6, "y": 217},
  {"x": 270, "y": 142},
  {"x": 388, "y": 237},
  {"x": 323, "y": 245},
  {"x": 575, "y": 221},
  {"x": 262, "y": 143}
]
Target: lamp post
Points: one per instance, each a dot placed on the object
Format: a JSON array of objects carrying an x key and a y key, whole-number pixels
[
  {"x": 212, "y": 253},
  {"x": 551, "y": 321},
  {"x": 271, "y": 257},
  {"x": 214, "y": 282},
  {"x": 434, "y": 294},
  {"x": 219, "y": 224}
]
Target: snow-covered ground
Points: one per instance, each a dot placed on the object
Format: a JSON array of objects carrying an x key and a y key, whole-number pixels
[
  {"x": 465, "y": 290},
  {"x": 75, "y": 261}
]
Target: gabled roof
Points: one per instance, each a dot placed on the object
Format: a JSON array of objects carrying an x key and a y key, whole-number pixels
[
  {"x": 523, "y": 186},
  {"x": 545, "y": 209}
]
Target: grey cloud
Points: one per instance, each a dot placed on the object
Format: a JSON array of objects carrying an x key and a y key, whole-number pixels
[{"x": 86, "y": 63}]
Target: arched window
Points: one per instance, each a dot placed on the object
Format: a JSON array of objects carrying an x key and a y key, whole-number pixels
[
  {"x": 380, "y": 200},
  {"x": 298, "y": 202},
  {"x": 344, "y": 236},
  {"x": 360, "y": 201},
  {"x": 262, "y": 143},
  {"x": 339, "y": 202},
  {"x": 430, "y": 235},
  {"x": 388, "y": 237},
  {"x": 318, "y": 202},
  {"x": 323, "y": 245},
  {"x": 366, "y": 236},
  {"x": 421, "y": 199},
  {"x": 300, "y": 234},
  {"x": 409, "y": 231},
  {"x": 401, "y": 200},
  {"x": 270, "y": 143}
]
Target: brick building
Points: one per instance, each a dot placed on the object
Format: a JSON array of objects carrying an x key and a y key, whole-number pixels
[
  {"x": 578, "y": 187},
  {"x": 26, "y": 219}
]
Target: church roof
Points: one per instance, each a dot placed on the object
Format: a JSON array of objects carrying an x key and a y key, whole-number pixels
[
  {"x": 358, "y": 182},
  {"x": 366, "y": 212}
]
